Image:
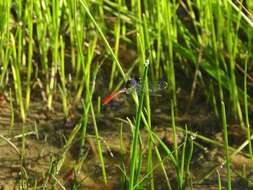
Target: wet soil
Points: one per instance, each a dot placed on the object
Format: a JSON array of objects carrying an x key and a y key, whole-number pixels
[{"x": 47, "y": 130}]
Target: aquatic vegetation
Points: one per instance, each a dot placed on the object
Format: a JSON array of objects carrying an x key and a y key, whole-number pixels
[{"x": 59, "y": 60}]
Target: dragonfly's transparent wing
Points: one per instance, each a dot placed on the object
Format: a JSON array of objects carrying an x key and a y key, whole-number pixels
[
  {"x": 153, "y": 86},
  {"x": 158, "y": 86}
]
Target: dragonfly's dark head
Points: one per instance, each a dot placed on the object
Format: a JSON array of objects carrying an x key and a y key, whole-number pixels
[{"x": 131, "y": 83}]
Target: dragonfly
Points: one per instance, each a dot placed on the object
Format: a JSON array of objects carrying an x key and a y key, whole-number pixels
[{"x": 136, "y": 85}]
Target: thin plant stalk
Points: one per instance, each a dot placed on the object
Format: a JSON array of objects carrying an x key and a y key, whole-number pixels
[
  {"x": 55, "y": 54},
  {"x": 117, "y": 29},
  {"x": 89, "y": 91},
  {"x": 30, "y": 54},
  {"x": 174, "y": 130},
  {"x": 227, "y": 156},
  {"x": 132, "y": 176},
  {"x": 219, "y": 180},
  {"x": 99, "y": 147},
  {"x": 150, "y": 142},
  {"x": 85, "y": 6},
  {"x": 247, "y": 112},
  {"x": 17, "y": 81},
  {"x": 62, "y": 88}
]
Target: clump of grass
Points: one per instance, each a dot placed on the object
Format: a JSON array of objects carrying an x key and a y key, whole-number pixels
[
  {"x": 134, "y": 148},
  {"x": 207, "y": 43}
]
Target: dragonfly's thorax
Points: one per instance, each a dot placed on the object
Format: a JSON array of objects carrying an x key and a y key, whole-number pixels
[{"x": 131, "y": 83}]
